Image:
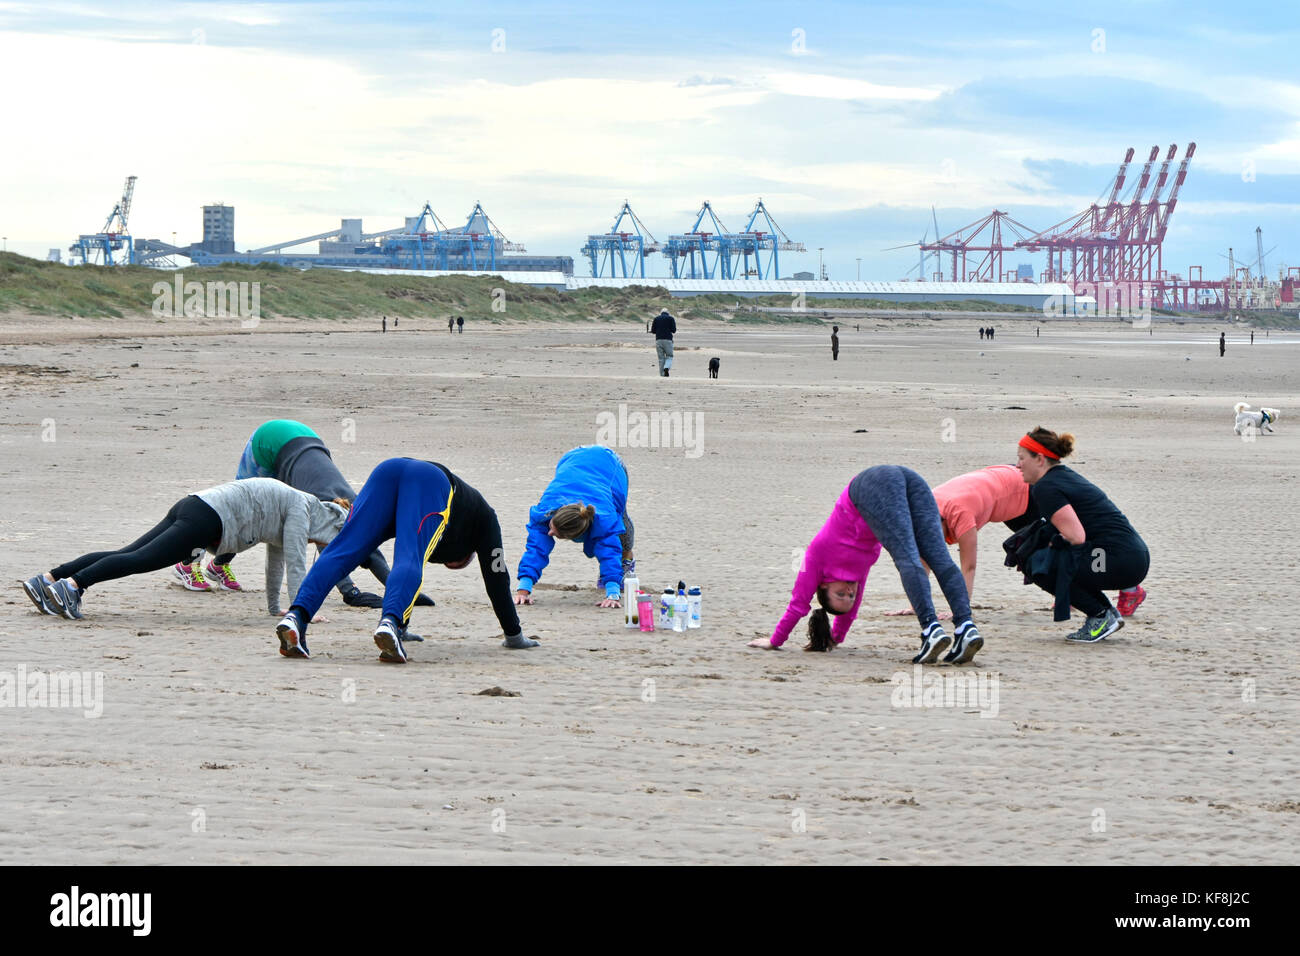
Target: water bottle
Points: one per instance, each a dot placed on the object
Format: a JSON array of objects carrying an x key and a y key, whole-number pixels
[
  {"x": 681, "y": 612},
  {"x": 695, "y": 598},
  {"x": 630, "y": 588},
  {"x": 666, "y": 609},
  {"x": 645, "y": 607}
]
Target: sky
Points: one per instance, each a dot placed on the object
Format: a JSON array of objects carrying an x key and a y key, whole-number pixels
[{"x": 850, "y": 120}]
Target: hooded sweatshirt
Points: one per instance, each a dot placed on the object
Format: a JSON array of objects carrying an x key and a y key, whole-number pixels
[
  {"x": 265, "y": 511},
  {"x": 593, "y": 475},
  {"x": 843, "y": 550}
]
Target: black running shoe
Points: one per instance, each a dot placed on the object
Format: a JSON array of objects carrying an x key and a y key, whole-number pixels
[
  {"x": 388, "y": 638},
  {"x": 1097, "y": 628},
  {"x": 966, "y": 645},
  {"x": 934, "y": 641}
]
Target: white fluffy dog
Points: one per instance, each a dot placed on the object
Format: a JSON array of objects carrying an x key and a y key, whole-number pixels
[{"x": 1260, "y": 421}]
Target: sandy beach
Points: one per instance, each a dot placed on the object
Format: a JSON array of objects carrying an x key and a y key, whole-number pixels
[{"x": 1172, "y": 742}]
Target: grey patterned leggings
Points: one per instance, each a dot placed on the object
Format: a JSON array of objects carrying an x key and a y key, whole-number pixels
[{"x": 899, "y": 507}]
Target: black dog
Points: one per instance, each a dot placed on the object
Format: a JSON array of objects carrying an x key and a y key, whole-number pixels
[{"x": 715, "y": 364}]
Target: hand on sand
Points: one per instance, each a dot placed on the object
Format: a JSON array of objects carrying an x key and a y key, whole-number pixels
[
  {"x": 523, "y": 597},
  {"x": 610, "y": 602},
  {"x": 320, "y": 619},
  {"x": 763, "y": 642}
]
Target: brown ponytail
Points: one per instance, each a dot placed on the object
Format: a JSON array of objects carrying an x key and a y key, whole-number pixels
[
  {"x": 819, "y": 625},
  {"x": 570, "y": 521},
  {"x": 1061, "y": 445}
]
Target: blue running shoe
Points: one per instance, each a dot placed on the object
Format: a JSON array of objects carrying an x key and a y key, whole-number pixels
[{"x": 64, "y": 598}]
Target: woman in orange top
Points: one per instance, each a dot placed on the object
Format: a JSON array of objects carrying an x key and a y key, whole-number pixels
[{"x": 969, "y": 502}]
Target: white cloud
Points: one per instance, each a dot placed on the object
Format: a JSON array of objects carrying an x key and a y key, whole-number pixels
[{"x": 844, "y": 88}]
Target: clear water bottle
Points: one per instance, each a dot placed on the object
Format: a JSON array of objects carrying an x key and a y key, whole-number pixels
[
  {"x": 694, "y": 597},
  {"x": 630, "y": 587},
  {"x": 681, "y": 612}
]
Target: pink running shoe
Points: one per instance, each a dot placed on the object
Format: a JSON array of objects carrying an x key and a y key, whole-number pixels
[
  {"x": 1129, "y": 600},
  {"x": 190, "y": 577},
  {"x": 223, "y": 577}
]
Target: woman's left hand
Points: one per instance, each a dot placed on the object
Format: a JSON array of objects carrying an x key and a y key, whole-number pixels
[
  {"x": 610, "y": 602},
  {"x": 320, "y": 619}
]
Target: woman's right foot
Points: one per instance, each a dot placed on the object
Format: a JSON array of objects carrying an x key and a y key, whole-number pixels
[
  {"x": 934, "y": 641},
  {"x": 388, "y": 638},
  {"x": 292, "y": 632},
  {"x": 64, "y": 598}
]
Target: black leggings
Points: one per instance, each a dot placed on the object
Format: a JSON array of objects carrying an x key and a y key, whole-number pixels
[
  {"x": 191, "y": 526},
  {"x": 1102, "y": 570}
]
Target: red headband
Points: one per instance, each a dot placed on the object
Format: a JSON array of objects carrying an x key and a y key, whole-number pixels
[{"x": 1038, "y": 448}]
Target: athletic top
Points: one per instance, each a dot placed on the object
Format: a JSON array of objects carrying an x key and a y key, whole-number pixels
[
  {"x": 265, "y": 511},
  {"x": 1103, "y": 523},
  {"x": 996, "y": 493},
  {"x": 264, "y": 447},
  {"x": 593, "y": 475},
  {"x": 843, "y": 550},
  {"x": 473, "y": 529}
]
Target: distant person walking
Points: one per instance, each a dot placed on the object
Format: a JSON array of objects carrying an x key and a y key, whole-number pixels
[
  {"x": 460, "y": 324},
  {"x": 990, "y": 331},
  {"x": 1252, "y": 336},
  {"x": 451, "y": 324},
  {"x": 663, "y": 327},
  {"x": 1037, "y": 332},
  {"x": 835, "y": 343},
  {"x": 981, "y": 333},
  {"x": 385, "y": 325},
  {"x": 1223, "y": 344}
]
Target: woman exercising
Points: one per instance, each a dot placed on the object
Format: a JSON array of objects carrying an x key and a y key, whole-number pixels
[
  {"x": 226, "y": 519},
  {"x": 292, "y": 452},
  {"x": 891, "y": 507},
  {"x": 435, "y": 517},
  {"x": 585, "y": 502}
]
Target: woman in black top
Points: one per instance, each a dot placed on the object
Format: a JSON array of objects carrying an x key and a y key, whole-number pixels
[{"x": 1095, "y": 546}]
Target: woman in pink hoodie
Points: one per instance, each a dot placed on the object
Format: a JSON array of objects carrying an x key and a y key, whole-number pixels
[{"x": 891, "y": 507}]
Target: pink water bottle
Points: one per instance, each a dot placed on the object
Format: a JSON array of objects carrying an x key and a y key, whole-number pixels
[{"x": 645, "y": 610}]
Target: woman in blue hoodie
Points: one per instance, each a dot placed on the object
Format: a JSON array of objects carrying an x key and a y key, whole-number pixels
[{"x": 585, "y": 502}]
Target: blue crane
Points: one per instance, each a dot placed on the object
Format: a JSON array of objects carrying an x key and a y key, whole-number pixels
[
  {"x": 603, "y": 249},
  {"x": 761, "y": 245},
  {"x": 97, "y": 248},
  {"x": 711, "y": 248}
]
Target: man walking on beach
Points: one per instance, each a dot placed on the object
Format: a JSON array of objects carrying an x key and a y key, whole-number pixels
[
  {"x": 835, "y": 343},
  {"x": 1223, "y": 344},
  {"x": 460, "y": 324},
  {"x": 663, "y": 328},
  {"x": 451, "y": 324}
]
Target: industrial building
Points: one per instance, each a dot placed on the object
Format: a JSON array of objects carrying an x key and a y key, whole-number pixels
[{"x": 423, "y": 242}]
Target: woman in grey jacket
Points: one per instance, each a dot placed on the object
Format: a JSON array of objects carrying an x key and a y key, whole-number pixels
[{"x": 226, "y": 519}]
